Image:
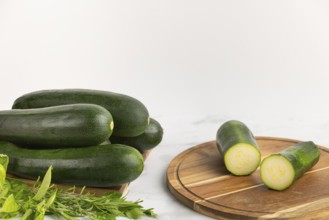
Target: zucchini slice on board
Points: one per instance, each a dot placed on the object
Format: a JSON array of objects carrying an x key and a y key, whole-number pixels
[
  {"x": 279, "y": 171},
  {"x": 238, "y": 147}
]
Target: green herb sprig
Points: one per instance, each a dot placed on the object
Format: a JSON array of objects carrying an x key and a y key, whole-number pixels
[{"x": 44, "y": 198}]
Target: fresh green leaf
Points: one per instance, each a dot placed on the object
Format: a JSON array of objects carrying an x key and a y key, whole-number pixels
[
  {"x": 4, "y": 161},
  {"x": 2, "y": 175},
  {"x": 134, "y": 213},
  {"x": 51, "y": 199},
  {"x": 41, "y": 207},
  {"x": 27, "y": 214},
  {"x": 41, "y": 216},
  {"x": 44, "y": 185},
  {"x": 5, "y": 189},
  {"x": 10, "y": 204},
  {"x": 45, "y": 199}
]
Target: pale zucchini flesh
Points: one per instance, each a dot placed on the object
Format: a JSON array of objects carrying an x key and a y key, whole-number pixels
[
  {"x": 242, "y": 159},
  {"x": 277, "y": 172}
]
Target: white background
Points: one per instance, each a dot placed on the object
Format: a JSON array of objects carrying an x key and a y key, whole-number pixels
[{"x": 266, "y": 62}]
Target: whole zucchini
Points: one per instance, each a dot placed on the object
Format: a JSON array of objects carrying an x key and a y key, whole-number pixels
[
  {"x": 130, "y": 115},
  {"x": 151, "y": 137},
  {"x": 238, "y": 147},
  {"x": 96, "y": 166},
  {"x": 73, "y": 125},
  {"x": 279, "y": 171}
]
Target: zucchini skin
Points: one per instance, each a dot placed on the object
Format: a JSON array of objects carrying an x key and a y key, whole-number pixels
[
  {"x": 130, "y": 116},
  {"x": 302, "y": 156},
  {"x": 151, "y": 137},
  {"x": 238, "y": 148},
  {"x": 75, "y": 125},
  {"x": 95, "y": 166},
  {"x": 233, "y": 132}
]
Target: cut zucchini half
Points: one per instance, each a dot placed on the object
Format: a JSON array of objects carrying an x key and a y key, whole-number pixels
[
  {"x": 277, "y": 172},
  {"x": 238, "y": 147},
  {"x": 242, "y": 159}
]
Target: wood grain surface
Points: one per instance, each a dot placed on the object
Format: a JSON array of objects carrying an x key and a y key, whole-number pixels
[
  {"x": 97, "y": 191},
  {"x": 197, "y": 177}
]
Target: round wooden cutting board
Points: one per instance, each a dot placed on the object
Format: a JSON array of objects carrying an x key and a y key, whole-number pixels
[{"x": 197, "y": 177}]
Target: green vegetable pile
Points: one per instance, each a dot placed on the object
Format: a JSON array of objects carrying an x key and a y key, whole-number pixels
[
  {"x": 90, "y": 137},
  {"x": 44, "y": 198},
  {"x": 80, "y": 137}
]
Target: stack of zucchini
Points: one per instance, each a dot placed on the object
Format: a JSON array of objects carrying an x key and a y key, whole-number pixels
[{"x": 90, "y": 137}]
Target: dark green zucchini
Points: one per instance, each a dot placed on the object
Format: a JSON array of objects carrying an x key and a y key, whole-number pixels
[
  {"x": 96, "y": 166},
  {"x": 130, "y": 115},
  {"x": 73, "y": 125},
  {"x": 146, "y": 141},
  {"x": 279, "y": 171},
  {"x": 238, "y": 147}
]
